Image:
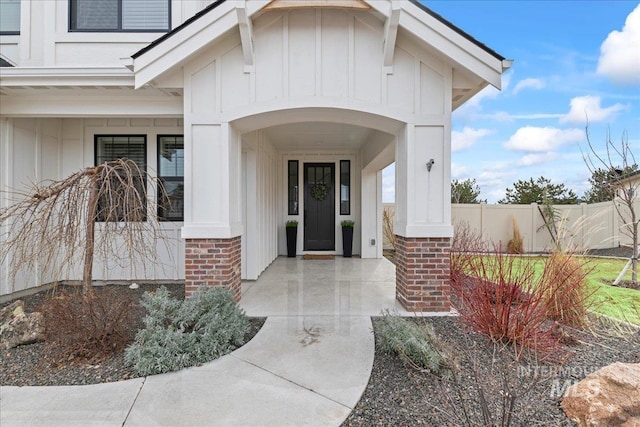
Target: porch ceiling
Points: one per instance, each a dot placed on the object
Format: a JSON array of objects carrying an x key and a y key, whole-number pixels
[{"x": 319, "y": 136}]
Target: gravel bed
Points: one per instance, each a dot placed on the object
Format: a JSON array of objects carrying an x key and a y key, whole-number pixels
[
  {"x": 397, "y": 394},
  {"x": 400, "y": 395},
  {"x": 32, "y": 365}
]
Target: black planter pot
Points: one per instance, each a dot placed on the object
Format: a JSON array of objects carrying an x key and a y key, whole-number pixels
[
  {"x": 347, "y": 241},
  {"x": 292, "y": 238}
]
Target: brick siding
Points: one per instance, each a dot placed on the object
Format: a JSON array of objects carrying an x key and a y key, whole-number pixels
[
  {"x": 422, "y": 273},
  {"x": 213, "y": 262}
]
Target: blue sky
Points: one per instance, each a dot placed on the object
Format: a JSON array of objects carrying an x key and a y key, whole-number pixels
[{"x": 569, "y": 57}]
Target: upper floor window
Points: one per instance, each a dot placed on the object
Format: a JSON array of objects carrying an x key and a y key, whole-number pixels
[
  {"x": 119, "y": 15},
  {"x": 9, "y": 17}
]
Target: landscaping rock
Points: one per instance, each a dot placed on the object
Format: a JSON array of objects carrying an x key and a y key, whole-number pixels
[
  {"x": 607, "y": 397},
  {"x": 19, "y": 328}
]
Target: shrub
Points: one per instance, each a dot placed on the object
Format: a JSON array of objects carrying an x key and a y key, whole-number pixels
[
  {"x": 387, "y": 227},
  {"x": 566, "y": 289},
  {"x": 465, "y": 246},
  {"x": 91, "y": 326},
  {"x": 515, "y": 245},
  {"x": 500, "y": 299},
  {"x": 418, "y": 345},
  {"x": 180, "y": 334}
]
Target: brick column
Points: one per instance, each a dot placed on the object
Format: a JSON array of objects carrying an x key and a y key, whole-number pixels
[
  {"x": 422, "y": 273},
  {"x": 213, "y": 262}
]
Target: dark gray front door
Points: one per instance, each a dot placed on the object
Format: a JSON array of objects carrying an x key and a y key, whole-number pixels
[{"x": 319, "y": 207}]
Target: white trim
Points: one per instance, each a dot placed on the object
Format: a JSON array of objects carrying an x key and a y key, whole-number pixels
[
  {"x": 390, "y": 34},
  {"x": 246, "y": 36},
  {"x": 211, "y": 231},
  {"x": 66, "y": 76},
  {"x": 423, "y": 230}
]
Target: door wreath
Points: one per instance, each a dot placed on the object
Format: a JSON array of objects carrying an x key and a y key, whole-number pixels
[{"x": 319, "y": 191}]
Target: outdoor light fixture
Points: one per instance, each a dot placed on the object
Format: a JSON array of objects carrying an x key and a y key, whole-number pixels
[{"x": 430, "y": 164}]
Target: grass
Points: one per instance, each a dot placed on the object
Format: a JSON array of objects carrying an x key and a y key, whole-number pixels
[{"x": 613, "y": 301}]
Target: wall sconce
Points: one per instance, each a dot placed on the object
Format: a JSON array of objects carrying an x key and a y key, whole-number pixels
[{"x": 430, "y": 164}]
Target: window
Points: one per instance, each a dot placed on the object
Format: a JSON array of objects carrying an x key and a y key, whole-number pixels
[
  {"x": 171, "y": 176},
  {"x": 9, "y": 17},
  {"x": 112, "y": 147},
  {"x": 345, "y": 187},
  {"x": 119, "y": 15},
  {"x": 293, "y": 187}
]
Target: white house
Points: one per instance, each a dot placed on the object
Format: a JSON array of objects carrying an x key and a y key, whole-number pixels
[{"x": 252, "y": 112}]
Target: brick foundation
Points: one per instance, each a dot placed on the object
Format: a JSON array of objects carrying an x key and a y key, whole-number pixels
[
  {"x": 422, "y": 273},
  {"x": 213, "y": 262}
]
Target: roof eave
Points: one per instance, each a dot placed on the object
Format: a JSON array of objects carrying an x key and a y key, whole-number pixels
[{"x": 66, "y": 76}]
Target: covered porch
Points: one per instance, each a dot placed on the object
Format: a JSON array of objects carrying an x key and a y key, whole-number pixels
[{"x": 336, "y": 288}]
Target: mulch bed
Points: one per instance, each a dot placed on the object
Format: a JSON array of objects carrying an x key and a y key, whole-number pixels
[{"x": 33, "y": 365}]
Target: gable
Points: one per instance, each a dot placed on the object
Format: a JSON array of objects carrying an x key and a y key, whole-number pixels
[{"x": 474, "y": 65}]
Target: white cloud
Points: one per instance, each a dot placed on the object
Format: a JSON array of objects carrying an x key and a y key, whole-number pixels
[
  {"x": 503, "y": 116},
  {"x": 620, "y": 52},
  {"x": 459, "y": 171},
  {"x": 587, "y": 108},
  {"x": 467, "y": 137},
  {"x": 537, "y": 158},
  {"x": 529, "y": 83},
  {"x": 542, "y": 139}
]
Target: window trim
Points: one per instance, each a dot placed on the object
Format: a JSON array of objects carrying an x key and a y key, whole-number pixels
[
  {"x": 71, "y": 15},
  {"x": 144, "y": 170},
  {"x": 162, "y": 179}
]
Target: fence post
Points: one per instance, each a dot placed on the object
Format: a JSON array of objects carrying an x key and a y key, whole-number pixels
[
  {"x": 583, "y": 232},
  {"x": 534, "y": 231},
  {"x": 483, "y": 205},
  {"x": 616, "y": 226}
]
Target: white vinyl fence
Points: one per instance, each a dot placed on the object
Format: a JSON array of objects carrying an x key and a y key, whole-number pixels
[{"x": 584, "y": 226}]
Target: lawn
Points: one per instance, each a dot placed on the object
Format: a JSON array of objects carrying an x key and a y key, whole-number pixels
[{"x": 614, "y": 301}]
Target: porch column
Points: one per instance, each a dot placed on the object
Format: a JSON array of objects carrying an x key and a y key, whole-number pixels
[
  {"x": 423, "y": 217},
  {"x": 212, "y": 226}
]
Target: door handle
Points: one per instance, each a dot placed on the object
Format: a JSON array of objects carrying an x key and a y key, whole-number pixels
[{"x": 305, "y": 218}]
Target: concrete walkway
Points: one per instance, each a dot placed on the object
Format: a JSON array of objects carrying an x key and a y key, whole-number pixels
[{"x": 308, "y": 365}]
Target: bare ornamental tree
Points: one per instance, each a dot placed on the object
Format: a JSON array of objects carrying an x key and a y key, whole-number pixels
[
  {"x": 97, "y": 211},
  {"x": 623, "y": 180}
]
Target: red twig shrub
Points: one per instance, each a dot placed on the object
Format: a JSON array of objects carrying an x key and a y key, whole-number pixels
[
  {"x": 497, "y": 296},
  {"x": 566, "y": 289},
  {"x": 90, "y": 326}
]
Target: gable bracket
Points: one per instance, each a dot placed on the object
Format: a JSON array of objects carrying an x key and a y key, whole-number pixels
[
  {"x": 246, "y": 36},
  {"x": 390, "y": 34}
]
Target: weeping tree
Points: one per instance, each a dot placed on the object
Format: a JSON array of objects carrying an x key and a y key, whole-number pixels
[
  {"x": 623, "y": 180},
  {"x": 99, "y": 211}
]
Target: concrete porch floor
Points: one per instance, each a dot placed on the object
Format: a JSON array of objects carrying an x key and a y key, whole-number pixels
[{"x": 337, "y": 287}]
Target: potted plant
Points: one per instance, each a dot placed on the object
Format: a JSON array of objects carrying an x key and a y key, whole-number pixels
[
  {"x": 347, "y": 237},
  {"x": 292, "y": 237}
]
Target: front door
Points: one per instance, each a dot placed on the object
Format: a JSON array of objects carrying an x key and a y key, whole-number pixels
[{"x": 319, "y": 207}]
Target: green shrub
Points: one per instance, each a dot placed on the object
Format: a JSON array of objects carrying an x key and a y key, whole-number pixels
[
  {"x": 179, "y": 334},
  {"x": 417, "y": 344}
]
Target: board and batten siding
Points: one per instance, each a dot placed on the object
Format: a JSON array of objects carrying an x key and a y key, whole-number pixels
[
  {"x": 52, "y": 149},
  {"x": 317, "y": 58}
]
